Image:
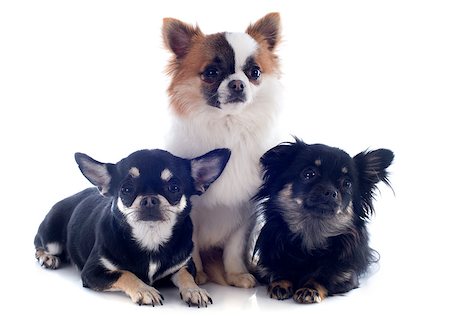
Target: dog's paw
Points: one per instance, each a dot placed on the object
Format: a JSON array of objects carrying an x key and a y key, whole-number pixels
[
  {"x": 307, "y": 296},
  {"x": 280, "y": 290},
  {"x": 195, "y": 296},
  {"x": 243, "y": 280},
  {"x": 201, "y": 278},
  {"x": 47, "y": 260},
  {"x": 146, "y": 295}
]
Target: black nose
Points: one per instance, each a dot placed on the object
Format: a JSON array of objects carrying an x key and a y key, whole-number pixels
[
  {"x": 325, "y": 194},
  {"x": 330, "y": 194},
  {"x": 149, "y": 202},
  {"x": 236, "y": 85}
]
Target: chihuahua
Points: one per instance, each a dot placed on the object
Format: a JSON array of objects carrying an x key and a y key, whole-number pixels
[
  {"x": 134, "y": 228},
  {"x": 314, "y": 204},
  {"x": 224, "y": 92}
]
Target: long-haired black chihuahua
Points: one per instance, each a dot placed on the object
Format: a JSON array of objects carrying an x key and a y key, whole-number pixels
[
  {"x": 134, "y": 228},
  {"x": 315, "y": 202}
]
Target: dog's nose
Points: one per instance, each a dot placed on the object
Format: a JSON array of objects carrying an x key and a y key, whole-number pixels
[
  {"x": 236, "y": 85},
  {"x": 149, "y": 202},
  {"x": 330, "y": 194}
]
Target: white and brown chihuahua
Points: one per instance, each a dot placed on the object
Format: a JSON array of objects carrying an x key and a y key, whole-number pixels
[{"x": 224, "y": 92}]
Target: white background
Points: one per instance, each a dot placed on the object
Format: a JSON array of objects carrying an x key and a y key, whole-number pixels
[{"x": 89, "y": 76}]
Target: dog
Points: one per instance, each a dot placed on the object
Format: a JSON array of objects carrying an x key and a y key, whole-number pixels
[
  {"x": 224, "y": 92},
  {"x": 134, "y": 228},
  {"x": 314, "y": 205}
]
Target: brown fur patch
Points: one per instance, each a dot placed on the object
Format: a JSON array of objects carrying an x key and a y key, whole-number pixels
[
  {"x": 127, "y": 282},
  {"x": 184, "y": 279},
  {"x": 189, "y": 291},
  {"x": 280, "y": 290},
  {"x": 323, "y": 292},
  {"x": 136, "y": 289},
  {"x": 266, "y": 30},
  {"x": 185, "y": 90},
  {"x": 267, "y": 61},
  {"x": 312, "y": 292},
  {"x": 213, "y": 265}
]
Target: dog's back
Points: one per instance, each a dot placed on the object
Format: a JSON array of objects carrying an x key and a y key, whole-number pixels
[{"x": 51, "y": 237}]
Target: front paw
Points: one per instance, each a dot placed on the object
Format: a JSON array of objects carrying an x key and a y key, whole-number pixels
[
  {"x": 307, "y": 296},
  {"x": 280, "y": 290},
  {"x": 243, "y": 280},
  {"x": 47, "y": 260},
  {"x": 195, "y": 296},
  {"x": 146, "y": 295},
  {"x": 201, "y": 278}
]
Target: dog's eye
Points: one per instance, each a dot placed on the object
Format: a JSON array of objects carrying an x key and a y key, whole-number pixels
[
  {"x": 210, "y": 74},
  {"x": 173, "y": 188},
  {"x": 127, "y": 189},
  {"x": 254, "y": 73},
  {"x": 308, "y": 174},
  {"x": 347, "y": 184}
]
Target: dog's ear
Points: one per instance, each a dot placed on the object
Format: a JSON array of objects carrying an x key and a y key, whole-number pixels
[
  {"x": 178, "y": 35},
  {"x": 277, "y": 159},
  {"x": 98, "y": 173},
  {"x": 207, "y": 168},
  {"x": 371, "y": 166},
  {"x": 267, "y": 29}
]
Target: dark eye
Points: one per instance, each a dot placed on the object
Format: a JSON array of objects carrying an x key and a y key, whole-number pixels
[
  {"x": 127, "y": 189},
  {"x": 173, "y": 188},
  {"x": 347, "y": 184},
  {"x": 210, "y": 74},
  {"x": 254, "y": 73},
  {"x": 308, "y": 174}
]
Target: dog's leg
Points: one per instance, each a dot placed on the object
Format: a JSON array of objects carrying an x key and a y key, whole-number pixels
[
  {"x": 189, "y": 291},
  {"x": 312, "y": 292},
  {"x": 200, "y": 277},
  {"x": 280, "y": 290},
  {"x": 236, "y": 272},
  {"x": 103, "y": 275},
  {"x": 49, "y": 258},
  {"x": 137, "y": 290}
]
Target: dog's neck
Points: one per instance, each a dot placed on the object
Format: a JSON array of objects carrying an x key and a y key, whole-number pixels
[{"x": 253, "y": 126}]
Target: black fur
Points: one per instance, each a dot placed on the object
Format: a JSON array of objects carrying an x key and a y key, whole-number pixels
[
  {"x": 315, "y": 202},
  {"x": 98, "y": 225}
]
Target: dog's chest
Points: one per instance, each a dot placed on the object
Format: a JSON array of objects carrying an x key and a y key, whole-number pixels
[
  {"x": 242, "y": 175},
  {"x": 157, "y": 271}
]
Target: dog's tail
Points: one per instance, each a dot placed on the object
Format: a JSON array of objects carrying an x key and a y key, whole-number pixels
[{"x": 213, "y": 266}]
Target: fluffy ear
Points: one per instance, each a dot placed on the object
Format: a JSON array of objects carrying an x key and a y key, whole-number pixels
[
  {"x": 178, "y": 35},
  {"x": 280, "y": 157},
  {"x": 266, "y": 29},
  {"x": 98, "y": 173},
  {"x": 207, "y": 168},
  {"x": 372, "y": 167}
]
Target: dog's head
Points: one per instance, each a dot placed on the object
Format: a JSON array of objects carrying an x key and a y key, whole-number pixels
[
  {"x": 153, "y": 185},
  {"x": 222, "y": 71},
  {"x": 320, "y": 191}
]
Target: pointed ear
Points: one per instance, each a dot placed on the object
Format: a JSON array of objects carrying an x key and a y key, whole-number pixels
[
  {"x": 280, "y": 157},
  {"x": 266, "y": 29},
  {"x": 207, "y": 168},
  {"x": 372, "y": 167},
  {"x": 97, "y": 173},
  {"x": 178, "y": 35}
]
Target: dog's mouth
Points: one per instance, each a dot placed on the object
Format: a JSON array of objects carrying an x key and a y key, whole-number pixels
[
  {"x": 146, "y": 216},
  {"x": 321, "y": 209},
  {"x": 236, "y": 99},
  {"x": 161, "y": 210}
]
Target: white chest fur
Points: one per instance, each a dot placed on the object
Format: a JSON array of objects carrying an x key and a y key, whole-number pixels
[{"x": 248, "y": 134}]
